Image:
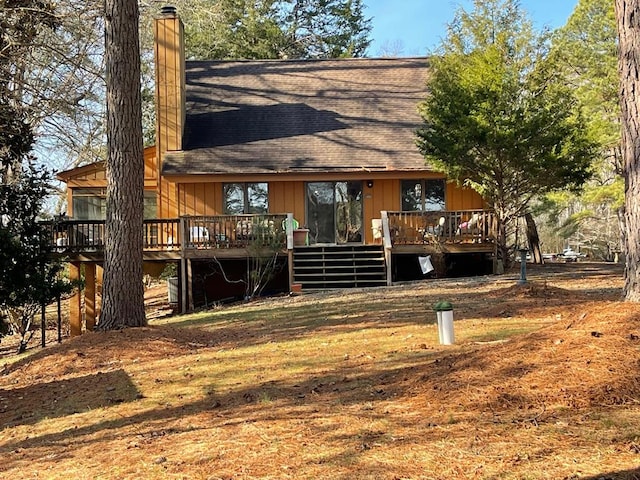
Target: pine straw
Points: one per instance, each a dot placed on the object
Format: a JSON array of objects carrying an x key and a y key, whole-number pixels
[
  {"x": 587, "y": 360},
  {"x": 250, "y": 393}
]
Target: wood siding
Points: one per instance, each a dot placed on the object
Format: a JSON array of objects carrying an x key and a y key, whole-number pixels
[
  {"x": 205, "y": 198},
  {"x": 151, "y": 173},
  {"x": 170, "y": 84},
  {"x": 289, "y": 197},
  {"x": 170, "y": 104},
  {"x": 200, "y": 199},
  {"x": 89, "y": 176},
  {"x": 459, "y": 198},
  {"x": 94, "y": 176}
]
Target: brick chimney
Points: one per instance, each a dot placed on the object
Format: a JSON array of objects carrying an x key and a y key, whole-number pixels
[{"x": 170, "y": 80}]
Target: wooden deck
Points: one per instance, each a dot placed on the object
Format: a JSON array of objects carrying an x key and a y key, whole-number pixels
[
  {"x": 447, "y": 231},
  {"x": 190, "y": 239},
  {"x": 233, "y": 236},
  {"x": 241, "y": 236}
]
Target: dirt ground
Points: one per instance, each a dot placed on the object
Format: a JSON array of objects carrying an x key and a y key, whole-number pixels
[
  {"x": 560, "y": 401},
  {"x": 156, "y": 306}
]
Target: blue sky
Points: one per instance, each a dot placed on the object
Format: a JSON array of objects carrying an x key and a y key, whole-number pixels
[{"x": 414, "y": 27}]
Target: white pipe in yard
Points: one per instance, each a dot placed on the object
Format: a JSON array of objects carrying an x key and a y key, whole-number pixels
[
  {"x": 444, "y": 314},
  {"x": 447, "y": 337}
]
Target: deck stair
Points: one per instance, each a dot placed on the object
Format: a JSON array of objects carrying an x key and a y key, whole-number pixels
[{"x": 339, "y": 266}]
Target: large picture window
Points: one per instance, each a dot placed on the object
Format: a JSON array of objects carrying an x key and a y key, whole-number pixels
[
  {"x": 91, "y": 204},
  {"x": 150, "y": 204},
  {"x": 423, "y": 195},
  {"x": 242, "y": 198}
]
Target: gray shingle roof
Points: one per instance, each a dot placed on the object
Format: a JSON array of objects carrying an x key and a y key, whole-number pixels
[{"x": 273, "y": 116}]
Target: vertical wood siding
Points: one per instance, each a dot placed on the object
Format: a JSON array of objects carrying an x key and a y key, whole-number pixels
[
  {"x": 289, "y": 197},
  {"x": 150, "y": 165},
  {"x": 459, "y": 198},
  {"x": 200, "y": 199},
  {"x": 170, "y": 83},
  {"x": 170, "y": 86}
]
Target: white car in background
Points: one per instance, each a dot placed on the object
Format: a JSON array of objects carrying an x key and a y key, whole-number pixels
[{"x": 570, "y": 255}]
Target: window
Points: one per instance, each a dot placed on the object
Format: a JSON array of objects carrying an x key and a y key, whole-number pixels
[
  {"x": 242, "y": 198},
  {"x": 423, "y": 195},
  {"x": 91, "y": 204},
  {"x": 334, "y": 212},
  {"x": 150, "y": 204}
]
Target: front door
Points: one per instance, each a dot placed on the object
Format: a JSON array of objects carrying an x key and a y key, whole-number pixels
[{"x": 334, "y": 212}]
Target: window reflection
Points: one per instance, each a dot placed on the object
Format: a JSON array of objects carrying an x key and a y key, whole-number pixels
[
  {"x": 91, "y": 204},
  {"x": 242, "y": 198},
  {"x": 257, "y": 198},
  {"x": 423, "y": 195},
  {"x": 334, "y": 212},
  {"x": 150, "y": 204}
]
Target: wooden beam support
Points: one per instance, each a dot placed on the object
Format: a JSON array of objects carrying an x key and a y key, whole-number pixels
[
  {"x": 75, "y": 310},
  {"x": 90, "y": 296},
  {"x": 190, "y": 285},
  {"x": 183, "y": 267},
  {"x": 99, "y": 283}
]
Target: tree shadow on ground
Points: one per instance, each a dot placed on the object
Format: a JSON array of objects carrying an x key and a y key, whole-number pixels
[
  {"x": 314, "y": 397},
  {"x": 274, "y": 323},
  {"x": 621, "y": 475},
  {"x": 28, "y": 405},
  {"x": 385, "y": 308},
  {"x": 355, "y": 383}
]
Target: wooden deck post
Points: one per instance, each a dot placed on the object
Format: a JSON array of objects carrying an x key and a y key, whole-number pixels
[
  {"x": 90, "y": 296},
  {"x": 75, "y": 311},
  {"x": 189, "y": 283},
  {"x": 289, "y": 231},
  {"x": 184, "y": 236},
  {"x": 99, "y": 282},
  {"x": 388, "y": 245}
]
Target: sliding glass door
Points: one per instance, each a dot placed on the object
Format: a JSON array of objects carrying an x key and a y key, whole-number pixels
[
  {"x": 321, "y": 217},
  {"x": 334, "y": 212}
]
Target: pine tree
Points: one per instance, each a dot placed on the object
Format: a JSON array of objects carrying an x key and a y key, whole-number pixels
[
  {"x": 30, "y": 276},
  {"x": 499, "y": 118},
  {"x": 585, "y": 53},
  {"x": 123, "y": 300},
  {"x": 627, "y": 14}
]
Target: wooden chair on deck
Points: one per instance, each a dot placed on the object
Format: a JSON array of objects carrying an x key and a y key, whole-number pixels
[
  {"x": 470, "y": 230},
  {"x": 434, "y": 229}
]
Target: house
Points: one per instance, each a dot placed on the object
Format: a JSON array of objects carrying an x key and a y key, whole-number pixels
[{"x": 317, "y": 156}]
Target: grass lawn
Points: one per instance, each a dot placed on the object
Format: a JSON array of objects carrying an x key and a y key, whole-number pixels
[{"x": 542, "y": 383}]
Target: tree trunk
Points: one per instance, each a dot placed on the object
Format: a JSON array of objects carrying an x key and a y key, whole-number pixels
[
  {"x": 123, "y": 301},
  {"x": 533, "y": 239},
  {"x": 628, "y": 19},
  {"x": 502, "y": 249}
]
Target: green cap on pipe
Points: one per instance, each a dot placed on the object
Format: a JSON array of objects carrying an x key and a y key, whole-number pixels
[{"x": 443, "y": 306}]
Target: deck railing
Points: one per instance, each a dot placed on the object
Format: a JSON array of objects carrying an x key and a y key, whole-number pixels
[
  {"x": 432, "y": 227},
  {"x": 75, "y": 235},
  {"x": 220, "y": 231},
  {"x": 162, "y": 234},
  {"x": 243, "y": 231},
  {"x": 234, "y": 231},
  {"x": 88, "y": 235}
]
